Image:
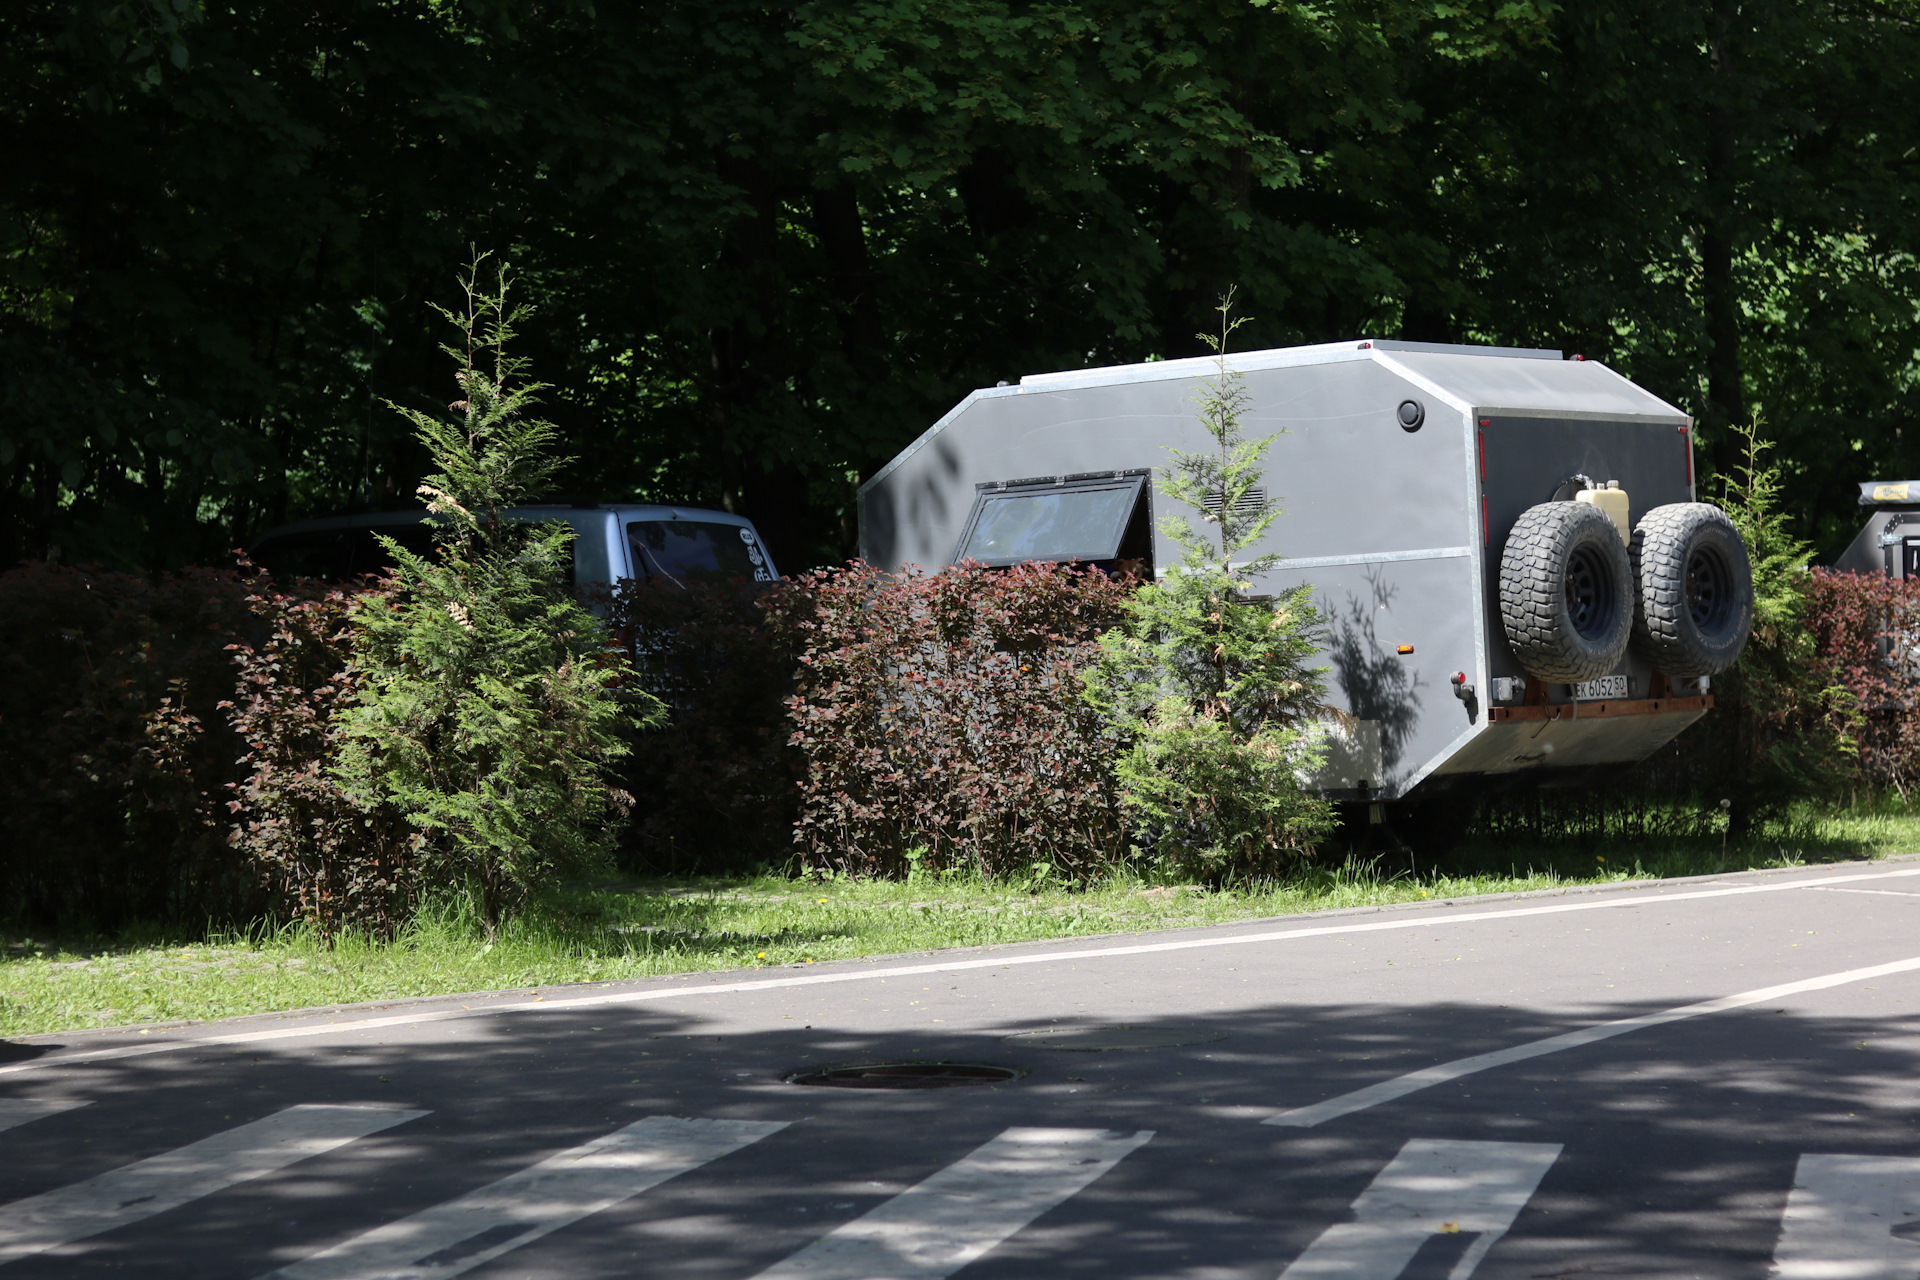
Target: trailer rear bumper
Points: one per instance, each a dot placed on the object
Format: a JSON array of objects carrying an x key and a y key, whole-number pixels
[
  {"x": 1573, "y": 735},
  {"x": 1602, "y": 710}
]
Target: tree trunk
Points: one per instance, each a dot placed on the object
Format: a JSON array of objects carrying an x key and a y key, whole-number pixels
[{"x": 851, "y": 278}]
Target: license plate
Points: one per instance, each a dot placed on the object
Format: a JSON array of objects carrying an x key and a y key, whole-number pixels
[{"x": 1610, "y": 688}]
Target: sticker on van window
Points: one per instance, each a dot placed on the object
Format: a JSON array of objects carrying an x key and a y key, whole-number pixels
[{"x": 758, "y": 561}]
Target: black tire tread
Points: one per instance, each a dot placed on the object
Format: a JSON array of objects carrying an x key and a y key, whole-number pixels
[
  {"x": 1532, "y": 593},
  {"x": 1663, "y": 629}
]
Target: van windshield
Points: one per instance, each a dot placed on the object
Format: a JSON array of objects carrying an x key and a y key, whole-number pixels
[{"x": 677, "y": 550}]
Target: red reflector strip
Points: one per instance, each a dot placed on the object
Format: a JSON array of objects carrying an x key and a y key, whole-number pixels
[
  {"x": 1483, "y": 455},
  {"x": 1687, "y": 439},
  {"x": 1486, "y": 533}
]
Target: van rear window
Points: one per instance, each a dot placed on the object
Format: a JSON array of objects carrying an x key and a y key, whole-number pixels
[{"x": 677, "y": 550}]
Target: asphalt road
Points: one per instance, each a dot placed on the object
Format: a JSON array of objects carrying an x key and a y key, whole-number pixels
[{"x": 1698, "y": 1078}]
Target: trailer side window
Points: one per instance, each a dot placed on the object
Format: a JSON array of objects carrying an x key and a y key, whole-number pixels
[{"x": 1086, "y": 518}]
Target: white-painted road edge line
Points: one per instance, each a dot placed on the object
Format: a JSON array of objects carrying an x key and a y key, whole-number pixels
[
  {"x": 1470, "y": 1189},
  {"x": 460, "y": 1234},
  {"x": 18, "y": 1111},
  {"x": 167, "y": 1181},
  {"x": 938, "y": 1226},
  {"x": 1426, "y": 1078},
  {"x": 1878, "y": 893},
  {"x": 908, "y": 971}
]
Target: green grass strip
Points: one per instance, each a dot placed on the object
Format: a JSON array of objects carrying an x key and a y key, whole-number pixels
[{"x": 612, "y": 930}]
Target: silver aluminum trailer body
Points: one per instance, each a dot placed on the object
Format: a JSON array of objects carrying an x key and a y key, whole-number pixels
[{"x": 1400, "y": 531}]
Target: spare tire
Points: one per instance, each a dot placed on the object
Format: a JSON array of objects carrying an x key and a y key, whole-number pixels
[
  {"x": 1693, "y": 592},
  {"x": 1566, "y": 598}
]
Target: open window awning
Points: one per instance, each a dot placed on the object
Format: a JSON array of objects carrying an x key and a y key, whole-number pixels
[{"x": 1060, "y": 518}]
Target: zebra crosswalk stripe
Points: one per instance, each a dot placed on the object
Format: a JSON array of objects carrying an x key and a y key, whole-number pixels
[
  {"x": 1851, "y": 1216},
  {"x": 1471, "y": 1191},
  {"x": 464, "y": 1232},
  {"x": 938, "y": 1226},
  {"x": 18, "y": 1111},
  {"x": 167, "y": 1181}
]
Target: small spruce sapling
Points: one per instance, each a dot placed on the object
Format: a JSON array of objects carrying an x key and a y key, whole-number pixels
[
  {"x": 1793, "y": 730},
  {"x": 493, "y": 703},
  {"x": 1211, "y": 684}
]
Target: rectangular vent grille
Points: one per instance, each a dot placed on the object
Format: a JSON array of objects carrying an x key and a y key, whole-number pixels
[{"x": 1250, "y": 501}]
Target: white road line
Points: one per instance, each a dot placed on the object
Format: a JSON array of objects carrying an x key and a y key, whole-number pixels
[
  {"x": 18, "y": 1111},
  {"x": 1432, "y": 1188},
  {"x": 1426, "y": 1078},
  {"x": 689, "y": 991},
  {"x": 155, "y": 1185},
  {"x": 1878, "y": 893},
  {"x": 478, "y": 1227},
  {"x": 1856, "y": 1217},
  {"x": 933, "y": 1229}
]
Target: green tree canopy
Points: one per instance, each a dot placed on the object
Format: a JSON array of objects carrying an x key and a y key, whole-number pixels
[{"x": 769, "y": 244}]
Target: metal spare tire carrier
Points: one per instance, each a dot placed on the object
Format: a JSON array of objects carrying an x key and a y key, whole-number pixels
[
  {"x": 1693, "y": 602},
  {"x": 1566, "y": 599}
]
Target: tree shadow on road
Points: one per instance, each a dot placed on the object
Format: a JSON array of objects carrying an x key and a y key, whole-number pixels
[{"x": 1680, "y": 1141}]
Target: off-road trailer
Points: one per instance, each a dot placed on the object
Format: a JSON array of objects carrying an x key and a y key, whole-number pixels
[
  {"x": 1462, "y": 513},
  {"x": 1889, "y": 542}
]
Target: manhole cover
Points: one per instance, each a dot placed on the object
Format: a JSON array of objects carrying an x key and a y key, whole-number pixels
[
  {"x": 1110, "y": 1039},
  {"x": 906, "y": 1075}
]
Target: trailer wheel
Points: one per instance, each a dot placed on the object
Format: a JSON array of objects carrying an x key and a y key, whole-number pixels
[
  {"x": 1693, "y": 596},
  {"x": 1565, "y": 596}
]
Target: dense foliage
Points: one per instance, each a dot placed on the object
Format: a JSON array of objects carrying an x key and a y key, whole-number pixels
[
  {"x": 489, "y": 708},
  {"x": 114, "y": 745},
  {"x": 1865, "y": 629},
  {"x": 941, "y": 721},
  {"x": 716, "y": 787},
  {"x": 781, "y": 239},
  {"x": 321, "y": 858},
  {"x": 936, "y": 724},
  {"x": 1208, "y": 685},
  {"x": 1783, "y": 726}
]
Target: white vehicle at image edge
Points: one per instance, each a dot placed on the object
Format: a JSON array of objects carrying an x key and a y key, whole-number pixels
[{"x": 611, "y": 542}]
